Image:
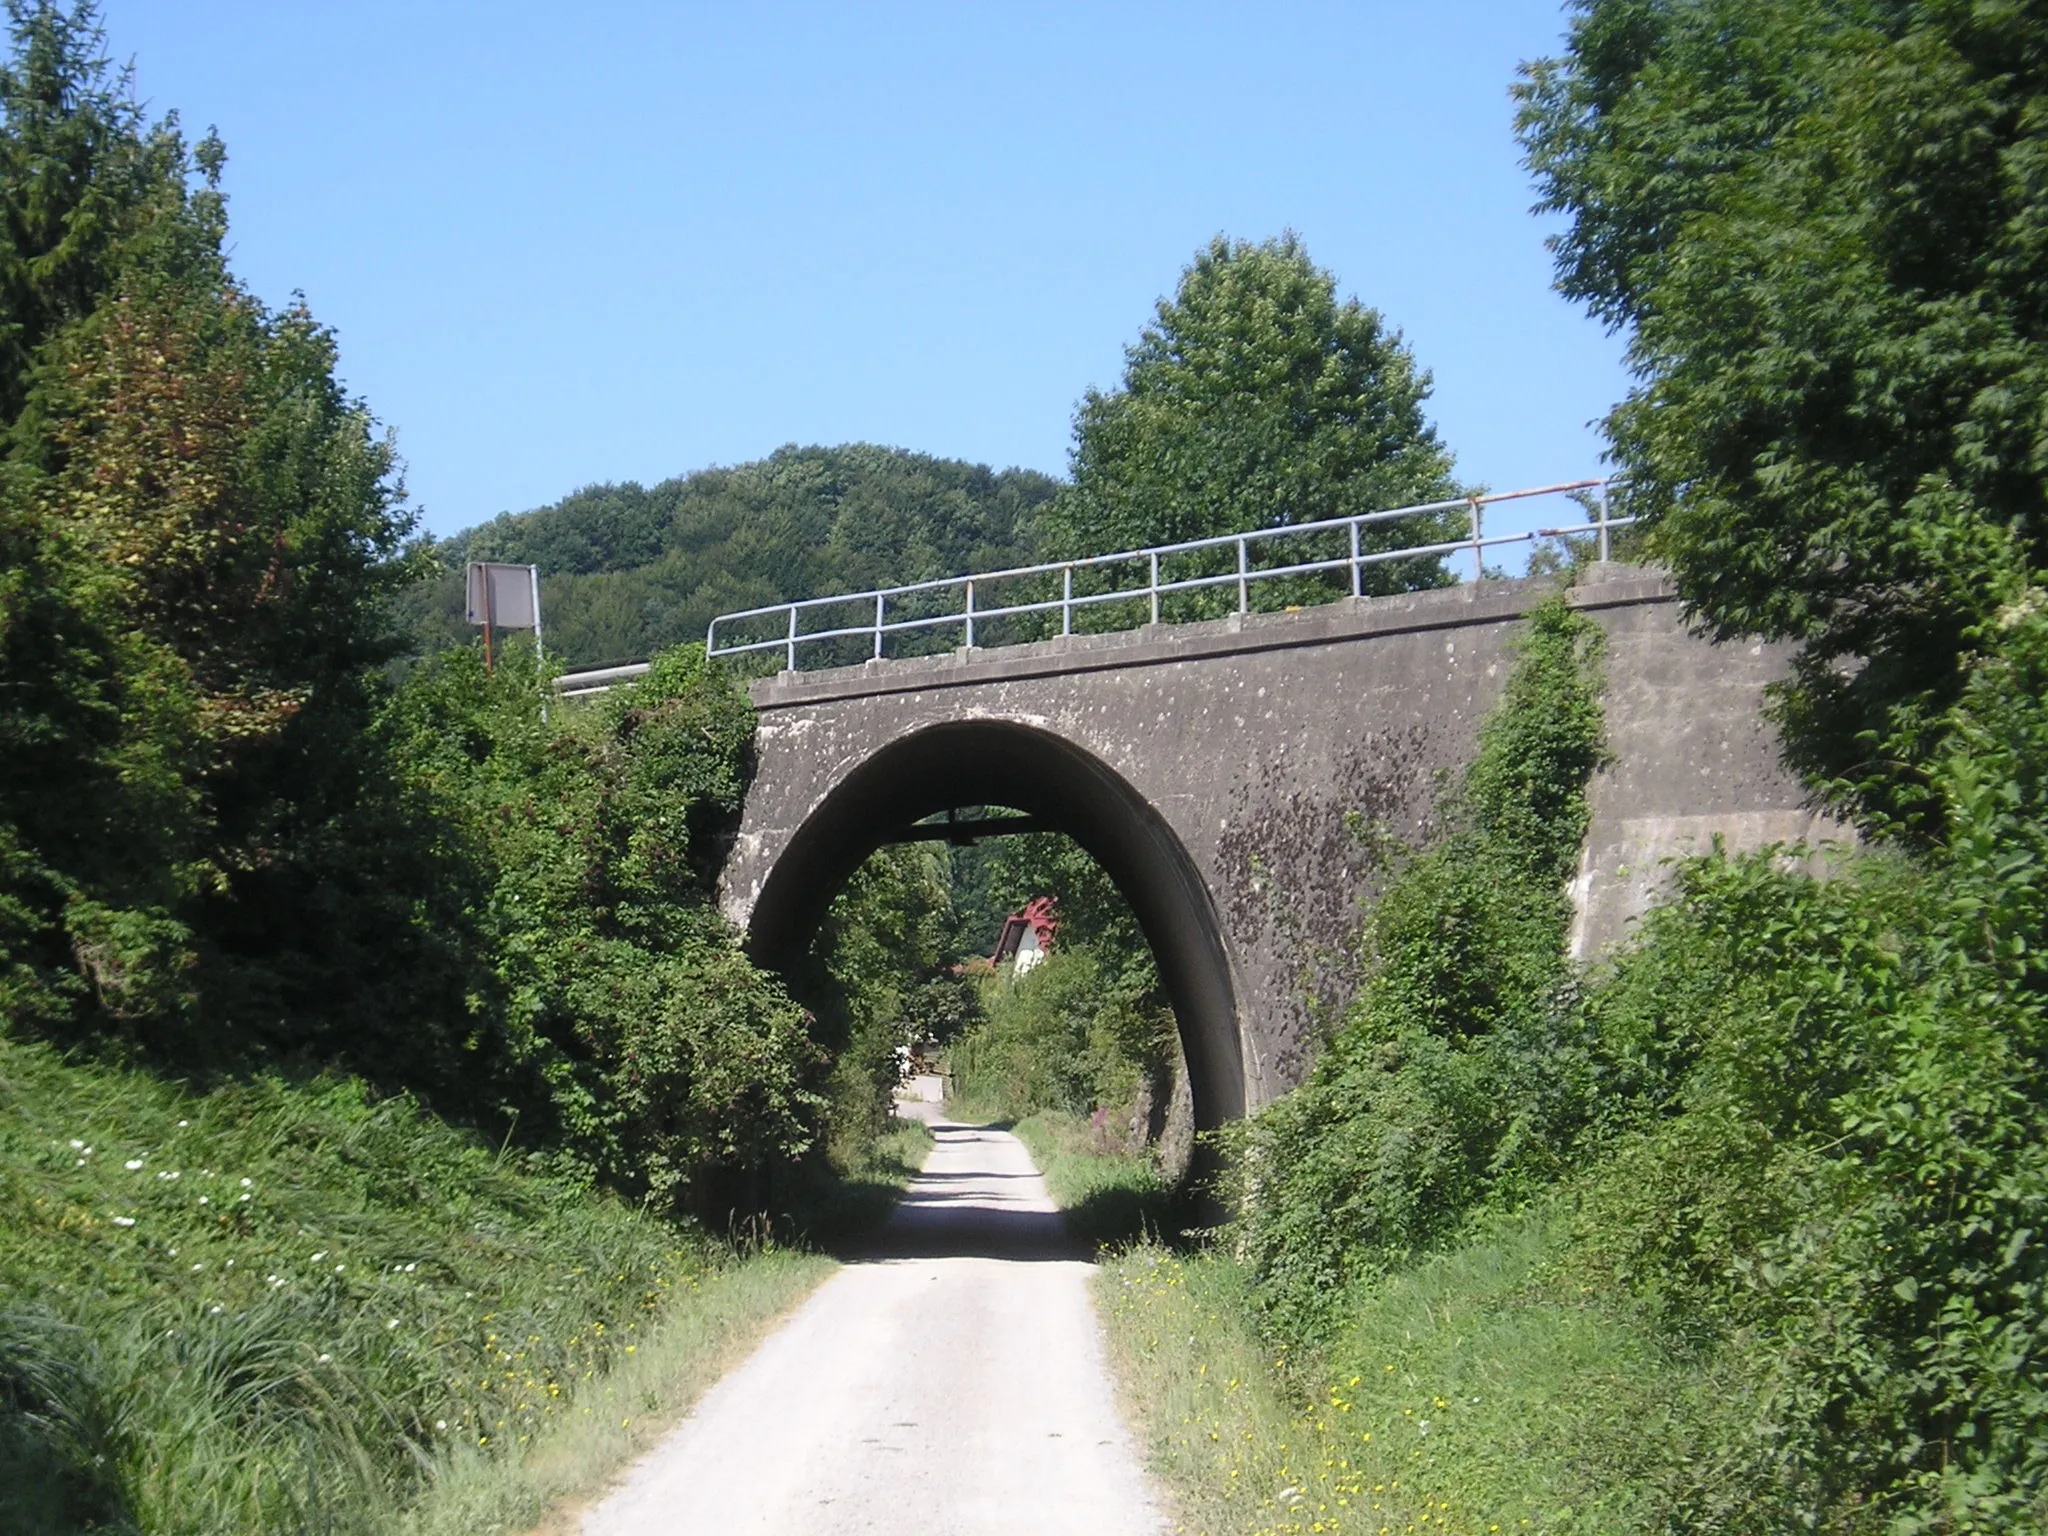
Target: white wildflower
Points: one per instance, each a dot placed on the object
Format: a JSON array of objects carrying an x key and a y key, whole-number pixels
[
  {"x": 124, "y": 1221},
  {"x": 132, "y": 1164}
]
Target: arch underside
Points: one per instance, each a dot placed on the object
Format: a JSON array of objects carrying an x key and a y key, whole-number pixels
[{"x": 994, "y": 762}]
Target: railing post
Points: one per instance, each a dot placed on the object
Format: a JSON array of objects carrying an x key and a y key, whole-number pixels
[
  {"x": 1603, "y": 522},
  {"x": 1066, "y": 599},
  {"x": 1244, "y": 583},
  {"x": 792, "y": 637},
  {"x": 970, "y": 613},
  {"x": 1154, "y": 587},
  {"x": 1357, "y": 585},
  {"x": 879, "y": 600},
  {"x": 1478, "y": 550}
]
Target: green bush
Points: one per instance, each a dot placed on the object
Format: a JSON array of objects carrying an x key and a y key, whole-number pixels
[
  {"x": 1802, "y": 1123},
  {"x": 1071, "y": 1034},
  {"x": 617, "y": 1004},
  {"x": 1848, "y": 1159},
  {"x": 870, "y": 980},
  {"x": 1456, "y": 1074}
]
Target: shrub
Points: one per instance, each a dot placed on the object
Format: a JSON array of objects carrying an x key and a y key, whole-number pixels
[
  {"x": 1853, "y": 1157},
  {"x": 1070, "y": 1034},
  {"x": 617, "y": 1005},
  {"x": 867, "y": 979},
  {"x": 1443, "y": 1083}
]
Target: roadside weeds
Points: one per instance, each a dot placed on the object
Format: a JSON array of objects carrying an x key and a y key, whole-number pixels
[{"x": 572, "y": 1462}]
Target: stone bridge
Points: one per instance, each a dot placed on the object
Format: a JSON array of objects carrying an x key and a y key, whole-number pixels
[{"x": 1215, "y": 771}]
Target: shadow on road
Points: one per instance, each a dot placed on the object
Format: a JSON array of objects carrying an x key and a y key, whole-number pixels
[{"x": 979, "y": 1198}]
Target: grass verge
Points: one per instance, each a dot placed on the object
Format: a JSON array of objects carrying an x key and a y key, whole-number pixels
[
  {"x": 1477, "y": 1393},
  {"x": 286, "y": 1306},
  {"x": 1109, "y": 1198},
  {"x": 857, "y": 1187},
  {"x": 547, "y": 1484}
]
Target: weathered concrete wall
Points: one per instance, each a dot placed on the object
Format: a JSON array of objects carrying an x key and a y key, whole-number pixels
[
  {"x": 1694, "y": 758},
  {"x": 1258, "y": 742}
]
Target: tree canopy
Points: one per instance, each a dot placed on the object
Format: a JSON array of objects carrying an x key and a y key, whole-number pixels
[
  {"x": 1823, "y": 225},
  {"x": 199, "y": 534},
  {"x": 82, "y": 174},
  {"x": 628, "y": 569},
  {"x": 1255, "y": 399}
]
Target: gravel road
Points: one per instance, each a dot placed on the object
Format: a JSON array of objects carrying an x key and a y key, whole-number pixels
[{"x": 949, "y": 1379}]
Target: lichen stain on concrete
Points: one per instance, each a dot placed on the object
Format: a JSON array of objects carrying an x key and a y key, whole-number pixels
[{"x": 1279, "y": 826}]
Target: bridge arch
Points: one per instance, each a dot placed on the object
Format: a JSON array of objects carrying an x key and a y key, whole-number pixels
[{"x": 1003, "y": 762}]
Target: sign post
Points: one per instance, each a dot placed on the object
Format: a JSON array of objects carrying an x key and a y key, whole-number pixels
[{"x": 504, "y": 597}]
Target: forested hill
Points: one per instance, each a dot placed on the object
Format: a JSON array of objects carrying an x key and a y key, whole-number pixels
[{"x": 628, "y": 569}]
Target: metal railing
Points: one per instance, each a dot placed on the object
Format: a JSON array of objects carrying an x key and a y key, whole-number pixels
[
  {"x": 966, "y": 615},
  {"x": 575, "y": 685}
]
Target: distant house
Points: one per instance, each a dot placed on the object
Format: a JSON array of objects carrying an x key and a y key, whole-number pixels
[{"x": 1027, "y": 935}]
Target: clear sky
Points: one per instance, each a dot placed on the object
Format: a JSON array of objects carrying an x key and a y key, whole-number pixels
[{"x": 571, "y": 243}]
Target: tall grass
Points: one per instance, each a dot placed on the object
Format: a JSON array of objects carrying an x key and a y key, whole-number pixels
[
  {"x": 292, "y": 1307},
  {"x": 614, "y": 1419},
  {"x": 1477, "y": 1393}
]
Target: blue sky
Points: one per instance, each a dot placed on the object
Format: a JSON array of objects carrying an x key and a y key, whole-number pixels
[{"x": 563, "y": 244}]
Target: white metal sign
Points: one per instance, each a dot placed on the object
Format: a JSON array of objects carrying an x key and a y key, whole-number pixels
[{"x": 504, "y": 596}]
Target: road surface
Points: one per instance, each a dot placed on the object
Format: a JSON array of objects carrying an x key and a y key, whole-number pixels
[{"x": 949, "y": 1380}]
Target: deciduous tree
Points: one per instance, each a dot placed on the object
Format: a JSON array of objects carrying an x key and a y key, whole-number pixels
[
  {"x": 1824, "y": 226},
  {"x": 1256, "y": 399}
]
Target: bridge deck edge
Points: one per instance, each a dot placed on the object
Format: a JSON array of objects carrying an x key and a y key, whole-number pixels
[{"x": 1493, "y": 602}]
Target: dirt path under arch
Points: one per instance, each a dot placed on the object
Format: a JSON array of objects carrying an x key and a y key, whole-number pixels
[{"x": 949, "y": 1379}]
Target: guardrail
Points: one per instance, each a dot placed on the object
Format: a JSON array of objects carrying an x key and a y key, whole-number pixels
[
  {"x": 574, "y": 685},
  {"x": 966, "y": 614}
]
